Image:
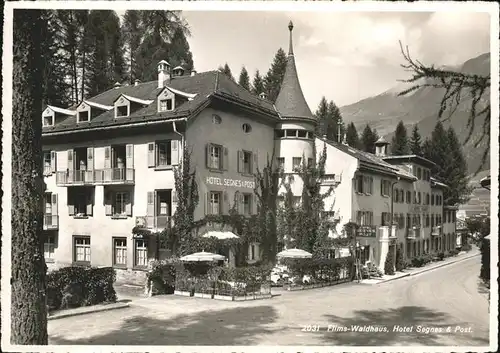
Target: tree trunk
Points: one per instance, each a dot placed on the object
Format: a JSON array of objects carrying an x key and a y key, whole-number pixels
[{"x": 28, "y": 304}]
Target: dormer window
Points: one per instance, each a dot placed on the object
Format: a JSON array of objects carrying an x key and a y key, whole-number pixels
[
  {"x": 83, "y": 116},
  {"x": 48, "y": 120},
  {"x": 121, "y": 111},
  {"x": 166, "y": 105}
]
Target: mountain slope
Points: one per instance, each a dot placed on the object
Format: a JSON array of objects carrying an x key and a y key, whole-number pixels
[{"x": 421, "y": 107}]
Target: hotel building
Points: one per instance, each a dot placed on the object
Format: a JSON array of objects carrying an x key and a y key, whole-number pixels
[{"x": 109, "y": 166}]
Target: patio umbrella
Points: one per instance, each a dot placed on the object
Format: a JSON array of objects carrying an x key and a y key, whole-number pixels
[
  {"x": 220, "y": 235},
  {"x": 203, "y": 256},
  {"x": 295, "y": 254}
]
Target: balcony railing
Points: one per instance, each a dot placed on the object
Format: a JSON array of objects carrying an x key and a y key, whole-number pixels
[
  {"x": 436, "y": 230},
  {"x": 75, "y": 177},
  {"x": 331, "y": 179},
  {"x": 50, "y": 222},
  {"x": 154, "y": 222},
  {"x": 413, "y": 233},
  {"x": 115, "y": 176},
  {"x": 367, "y": 231}
]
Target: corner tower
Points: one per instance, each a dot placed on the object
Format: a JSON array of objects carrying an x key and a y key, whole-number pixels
[{"x": 295, "y": 133}]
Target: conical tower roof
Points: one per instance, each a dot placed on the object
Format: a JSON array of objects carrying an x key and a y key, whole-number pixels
[{"x": 291, "y": 102}]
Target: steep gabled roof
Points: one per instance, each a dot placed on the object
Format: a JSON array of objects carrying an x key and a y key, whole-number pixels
[
  {"x": 98, "y": 105},
  {"x": 61, "y": 110},
  {"x": 136, "y": 100},
  {"x": 291, "y": 102}
]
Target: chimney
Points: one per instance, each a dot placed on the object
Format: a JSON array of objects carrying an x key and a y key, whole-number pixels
[
  {"x": 117, "y": 85},
  {"x": 193, "y": 72},
  {"x": 136, "y": 82},
  {"x": 381, "y": 147},
  {"x": 163, "y": 73},
  {"x": 178, "y": 71},
  {"x": 263, "y": 95}
]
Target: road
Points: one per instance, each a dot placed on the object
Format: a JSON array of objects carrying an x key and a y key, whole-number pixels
[{"x": 442, "y": 307}]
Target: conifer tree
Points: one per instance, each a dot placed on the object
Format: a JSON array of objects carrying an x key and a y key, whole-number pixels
[
  {"x": 455, "y": 175},
  {"x": 335, "y": 126},
  {"x": 274, "y": 77},
  {"x": 258, "y": 84},
  {"x": 400, "y": 146},
  {"x": 416, "y": 142},
  {"x": 132, "y": 35},
  {"x": 179, "y": 52},
  {"x": 352, "y": 138},
  {"x": 28, "y": 310},
  {"x": 226, "y": 70},
  {"x": 368, "y": 139},
  {"x": 438, "y": 151},
  {"x": 244, "y": 79},
  {"x": 322, "y": 117}
]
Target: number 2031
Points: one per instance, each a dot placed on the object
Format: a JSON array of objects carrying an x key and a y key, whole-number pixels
[{"x": 310, "y": 328}]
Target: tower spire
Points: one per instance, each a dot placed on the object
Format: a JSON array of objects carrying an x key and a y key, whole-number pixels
[{"x": 290, "y": 49}]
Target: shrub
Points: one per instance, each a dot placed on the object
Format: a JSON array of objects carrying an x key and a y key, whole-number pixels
[
  {"x": 162, "y": 275},
  {"x": 440, "y": 256},
  {"x": 484, "y": 273},
  {"x": 389, "y": 264},
  {"x": 327, "y": 270},
  {"x": 417, "y": 261},
  {"x": 76, "y": 286},
  {"x": 426, "y": 258},
  {"x": 466, "y": 247},
  {"x": 399, "y": 259}
]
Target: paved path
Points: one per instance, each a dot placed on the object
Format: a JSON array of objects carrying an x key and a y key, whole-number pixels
[{"x": 436, "y": 300}]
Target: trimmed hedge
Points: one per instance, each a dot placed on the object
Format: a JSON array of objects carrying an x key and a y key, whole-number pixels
[
  {"x": 321, "y": 270},
  {"x": 162, "y": 274},
  {"x": 74, "y": 286}
]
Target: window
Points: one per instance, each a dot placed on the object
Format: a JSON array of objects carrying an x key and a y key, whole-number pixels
[
  {"x": 386, "y": 219},
  {"x": 120, "y": 203},
  {"x": 408, "y": 220},
  {"x": 432, "y": 221},
  {"x": 290, "y": 133},
  {"x": 302, "y": 134},
  {"x": 83, "y": 116},
  {"x": 432, "y": 200},
  {"x": 120, "y": 251},
  {"x": 246, "y": 128},
  {"x": 309, "y": 162},
  {"x": 121, "y": 111},
  {"x": 427, "y": 220},
  {"x": 401, "y": 221},
  {"x": 427, "y": 198},
  {"x": 49, "y": 247},
  {"x": 48, "y": 203},
  {"x": 364, "y": 254},
  {"x": 401, "y": 196},
  {"x": 385, "y": 187},
  {"x": 215, "y": 203},
  {"x": 364, "y": 184},
  {"x": 395, "y": 196},
  {"x": 247, "y": 204},
  {"x": 278, "y": 134},
  {"x": 364, "y": 218},
  {"x": 166, "y": 105},
  {"x": 408, "y": 197},
  {"x": 216, "y": 119},
  {"x": 48, "y": 120},
  {"x": 47, "y": 163},
  {"x": 80, "y": 201},
  {"x": 215, "y": 157},
  {"x": 419, "y": 173},
  {"x": 419, "y": 198},
  {"x": 140, "y": 253},
  {"x": 281, "y": 163},
  {"x": 296, "y": 162},
  {"x": 163, "y": 153},
  {"x": 246, "y": 162},
  {"x": 82, "y": 250}
]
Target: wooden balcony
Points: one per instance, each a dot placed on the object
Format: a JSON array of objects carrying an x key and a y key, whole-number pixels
[
  {"x": 75, "y": 177},
  {"x": 413, "y": 233},
  {"x": 50, "y": 222},
  {"x": 367, "y": 231},
  {"x": 115, "y": 176}
]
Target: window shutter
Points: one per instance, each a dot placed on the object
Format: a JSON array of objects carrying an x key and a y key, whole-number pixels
[
  {"x": 128, "y": 206},
  {"x": 150, "y": 204},
  {"x": 71, "y": 165},
  {"x": 90, "y": 203},
  {"x": 129, "y": 161},
  {"x": 240, "y": 161},
  {"x": 225, "y": 203},
  {"x": 53, "y": 161},
  {"x": 108, "y": 203},
  {"x": 54, "y": 204},
  {"x": 175, "y": 199},
  {"x": 254, "y": 203},
  {"x": 107, "y": 157},
  {"x": 255, "y": 164},
  {"x": 151, "y": 154},
  {"x": 207, "y": 156},
  {"x": 71, "y": 210},
  {"x": 382, "y": 187},
  {"x": 225, "y": 158},
  {"x": 90, "y": 158},
  {"x": 207, "y": 202},
  {"x": 240, "y": 205},
  {"x": 358, "y": 218},
  {"x": 175, "y": 151}
]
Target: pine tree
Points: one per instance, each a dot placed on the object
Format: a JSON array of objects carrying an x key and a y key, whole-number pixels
[
  {"x": 368, "y": 139},
  {"x": 179, "y": 52},
  {"x": 322, "y": 116},
  {"x": 258, "y": 84},
  {"x": 389, "y": 263},
  {"x": 132, "y": 35},
  {"x": 400, "y": 146},
  {"x": 244, "y": 79},
  {"x": 455, "y": 175},
  {"x": 352, "y": 138},
  {"x": 226, "y": 70},
  {"x": 28, "y": 283},
  {"x": 427, "y": 149},
  {"x": 274, "y": 77},
  {"x": 335, "y": 125},
  {"x": 438, "y": 152},
  {"x": 399, "y": 259},
  {"x": 416, "y": 142}
]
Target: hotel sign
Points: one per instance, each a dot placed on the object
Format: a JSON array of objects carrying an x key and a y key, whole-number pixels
[{"x": 230, "y": 182}]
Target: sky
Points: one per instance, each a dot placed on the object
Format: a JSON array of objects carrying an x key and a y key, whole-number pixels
[{"x": 344, "y": 56}]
